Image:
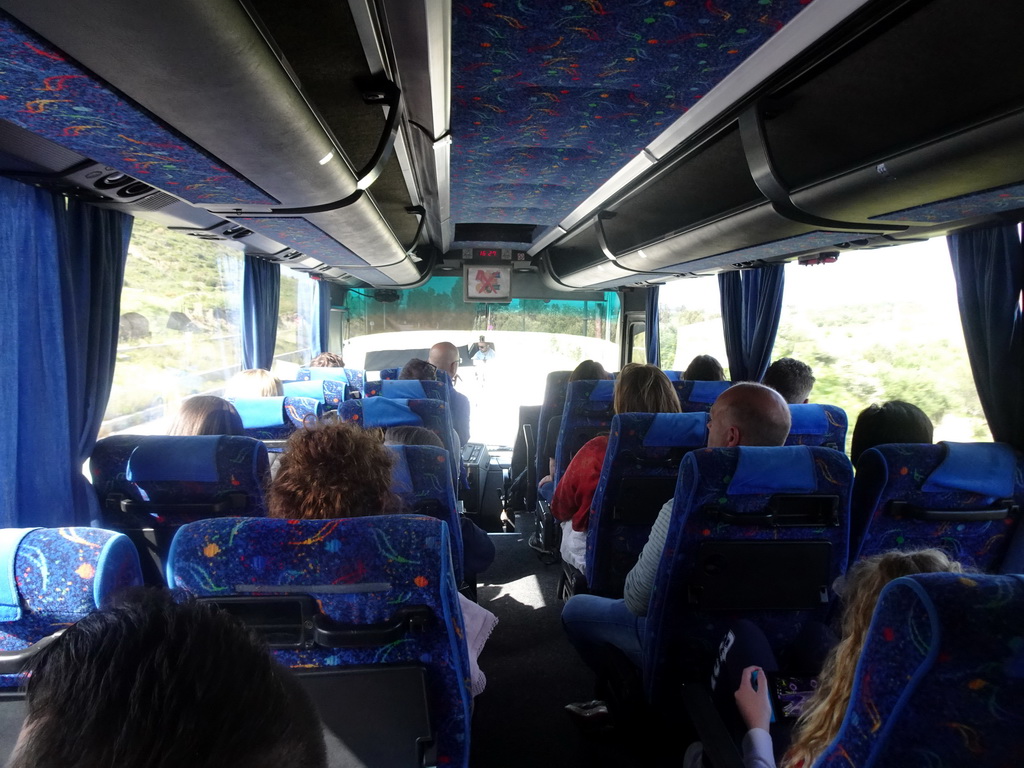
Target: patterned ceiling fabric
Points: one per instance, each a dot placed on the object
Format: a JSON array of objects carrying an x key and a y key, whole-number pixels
[
  {"x": 53, "y": 97},
  {"x": 550, "y": 99},
  {"x": 1007, "y": 198}
]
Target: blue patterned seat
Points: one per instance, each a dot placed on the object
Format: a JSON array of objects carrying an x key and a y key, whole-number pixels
[
  {"x": 940, "y": 680},
  {"x": 325, "y": 391},
  {"x": 963, "y": 498},
  {"x": 699, "y": 396},
  {"x": 353, "y": 580},
  {"x": 383, "y": 412},
  {"x": 407, "y": 389},
  {"x": 351, "y": 376},
  {"x": 553, "y": 405},
  {"x": 149, "y": 485},
  {"x": 756, "y": 533},
  {"x": 52, "y": 577},
  {"x": 588, "y": 412},
  {"x": 638, "y": 477},
  {"x": 422, "y": 478},
  {"x": 815, "y": 424},
  {"x": 390, "y": 374},
  {"x": 275, "y": 418}
]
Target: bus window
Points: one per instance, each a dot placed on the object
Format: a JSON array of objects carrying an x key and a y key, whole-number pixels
[
  {"x": 294, "y": 323},
  {"x": 690, "y": 323},
  {"x": 179, "y": 332},
  {"x": 884, "y": 325}
]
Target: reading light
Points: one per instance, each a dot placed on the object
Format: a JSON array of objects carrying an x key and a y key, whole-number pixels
[{"x": 326, "y": 158}]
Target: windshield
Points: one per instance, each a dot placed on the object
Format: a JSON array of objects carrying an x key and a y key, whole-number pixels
[{"x": 522, "y": 341}]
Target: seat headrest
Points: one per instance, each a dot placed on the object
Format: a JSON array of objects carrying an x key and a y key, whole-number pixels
[
  {"x": 10, "y": 603},
  {"x": 983, "y": 468},
  {"x": 773, "y": 470},
  {"x": 808, "y": 419},
  {"x": 707, "y": 391},
  {"x": 386, "y": 412},
  {"x": 257, "y": 412},
  {"x": 162, "y": 458},
  {"x": 406, "y": 389},
  {"x": 314, "y": 389},
  {"x": 65, "y": 573},
  {"x": 603, "y": 391},
  {"x": 676, "y": 429}
]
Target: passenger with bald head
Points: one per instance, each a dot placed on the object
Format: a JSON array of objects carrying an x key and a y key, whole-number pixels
[
  {"x": 748, "y": 414},
  {"x": 445, "y": 357},
  {"x": 745, "y": 414}
]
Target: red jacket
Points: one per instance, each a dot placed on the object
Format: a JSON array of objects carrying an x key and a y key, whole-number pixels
[{"x": 576, "y": 488}]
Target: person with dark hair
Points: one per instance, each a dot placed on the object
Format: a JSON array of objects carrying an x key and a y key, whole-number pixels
[
  {"x": 638, "y": 389},
  {"x": 418, "y": 370},
  {"x": 445, "y": 357},
  {"x": 745, "y": 414},
  {"x": 891, "y": 422},
  {"x": 333, "y": 469},
  {"x": 790, "y": 378},
  {"x": 704, "y": 368},
  {"x": 327, "y": 360},
  {"x": 151, "y": 683},
  {"x": 206, "y": 415},
  {"x": 477, "y": 547}
]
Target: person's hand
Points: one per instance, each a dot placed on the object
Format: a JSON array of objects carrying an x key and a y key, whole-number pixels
[
  {"x": 545, "y": 479},
  {"x": 754, "y": 707}
]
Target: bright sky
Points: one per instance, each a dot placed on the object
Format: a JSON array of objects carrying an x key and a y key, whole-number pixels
[{"x": 912, "y": 272}]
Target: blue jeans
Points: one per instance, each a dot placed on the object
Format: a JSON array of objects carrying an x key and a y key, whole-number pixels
[{"x": 594, "y": 623}]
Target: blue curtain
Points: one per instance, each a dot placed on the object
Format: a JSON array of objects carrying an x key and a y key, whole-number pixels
[
  {"x": 92, "y": 248},
  {"x": 59, "y": 306},
  {"x": 653, "y": 332},
  {"x": 751, "y": 307},
  {"x": 322, "y": 326},
  {"x": 261, "y": 297},
  {"x": 988, "y": 264}
]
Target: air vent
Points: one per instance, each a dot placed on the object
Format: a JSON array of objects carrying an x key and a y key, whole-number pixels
[
  {"x": 155, "y": 202},
  {"x": 236, "y": 232},
  {"x": 135, "y": 189},
  {"x": 113, "y": 180}
]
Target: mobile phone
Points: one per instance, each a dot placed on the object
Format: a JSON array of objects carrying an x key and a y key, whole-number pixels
[{"x": 790, "y": 694}]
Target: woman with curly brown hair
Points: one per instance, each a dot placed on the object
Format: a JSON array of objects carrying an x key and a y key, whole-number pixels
[{"x": 330, "y": 470}]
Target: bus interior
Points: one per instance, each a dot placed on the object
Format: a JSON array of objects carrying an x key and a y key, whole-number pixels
[{"x": 532, "y": 173}]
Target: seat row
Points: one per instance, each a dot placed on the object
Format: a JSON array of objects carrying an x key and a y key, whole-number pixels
[{"x": 365, "y": 611}]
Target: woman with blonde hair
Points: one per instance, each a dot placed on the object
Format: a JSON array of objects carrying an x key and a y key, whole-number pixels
[
  {"x": 824, "y": 712},
  {"x": 638, "y": 389},
  {"x": 206, "y": 415},
  {"x": 255, "y": 382}
]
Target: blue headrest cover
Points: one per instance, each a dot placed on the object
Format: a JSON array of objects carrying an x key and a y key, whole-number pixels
[
  {"x": 401, "y": 479},
  {"x": 677, "y": 429},
  {"x": 174, "y": 458},
  {"x": 385, "y": 412},
  {"x": 259, "y": 412},
  {"x": 707, "y": 391},
  {"x": 808, "y": 419},
  {"x": 674, "y": 375},
  {"x": 334, "y": 374},
  {"x": 10, "y": 603},
  {"x": 604, "y": 391},
  {"x": 983, "y": 468},
  {"x": 773, "y": 470},
  {"x": 314, "y": 389},
  {"x": 408, "y": 389}
]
